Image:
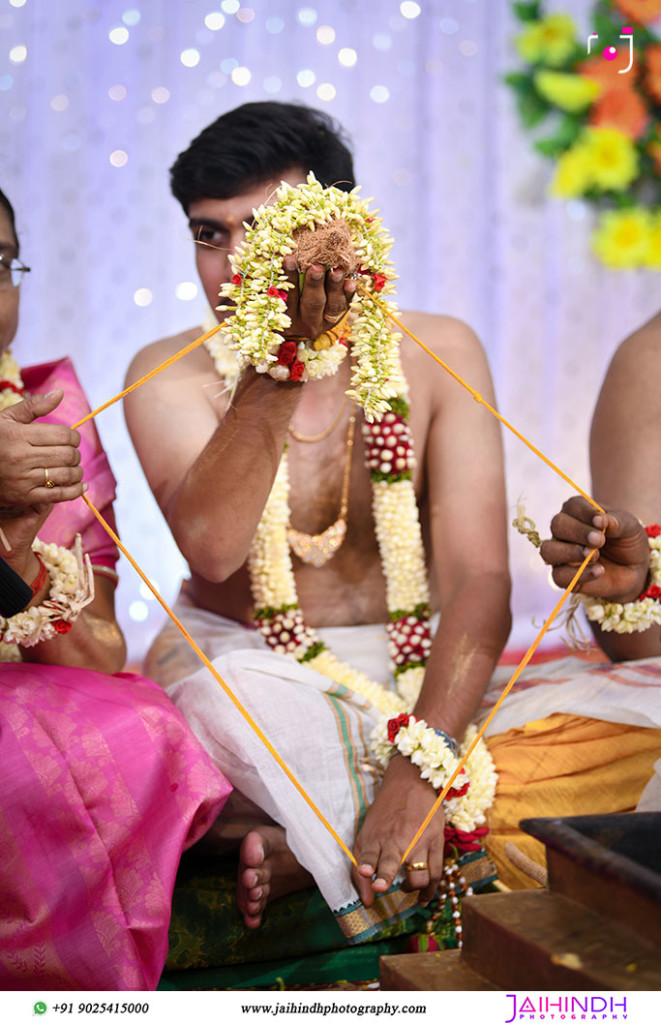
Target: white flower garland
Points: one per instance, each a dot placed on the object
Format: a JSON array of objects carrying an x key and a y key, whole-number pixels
[
  {"x": 10, "y": 376},
  {"x": 474, "y": 788},
  {"x": 634, "y": 616},
  {"x": 258, "y": 293},
  {"x": 71, "y": 589},
  {"x": 253, "y": 335}
]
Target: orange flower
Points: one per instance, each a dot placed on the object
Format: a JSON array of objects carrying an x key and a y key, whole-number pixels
[
  {"x": 620, "y": 108},
  {"x": 640, "y": 10},
  {"x": 653, "y": 71},
  {"x": 607, "y": 72}
]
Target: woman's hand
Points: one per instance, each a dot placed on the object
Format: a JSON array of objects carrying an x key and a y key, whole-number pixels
[
  {"x": 29, "y": 448},
  {"x": 400, "y": 807},
  {"x": 620, "y": 566}
]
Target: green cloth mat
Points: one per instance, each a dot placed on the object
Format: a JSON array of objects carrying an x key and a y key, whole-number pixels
[{"x": 298, "y": 942}]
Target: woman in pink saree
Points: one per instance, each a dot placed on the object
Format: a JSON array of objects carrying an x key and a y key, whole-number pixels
[{"x": 104, "y": 784}]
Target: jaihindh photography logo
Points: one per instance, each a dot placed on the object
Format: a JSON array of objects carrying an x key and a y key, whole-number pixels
[{"x": 523, "y": 1007}]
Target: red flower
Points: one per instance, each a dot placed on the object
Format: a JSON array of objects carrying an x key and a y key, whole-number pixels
[
  {"x": 460, "y": 790},
  {"x": 237, "y": 279},
  {"x": 274, "y": 292},
  {"x": 653, "y": 531},
  {"x": 296, "y": 371},
  {"x": 654, "y": 592},
  {"x": 465, "y": 842},
  {"x": 60, "y": 626},
  {"x": 287, "y": 353},
  {"x": 395, "y": 724},
  {"x": 379, "y": 281},
  {"x": 6, "y": 385}
]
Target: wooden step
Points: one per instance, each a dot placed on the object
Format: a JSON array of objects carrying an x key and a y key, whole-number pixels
[
  {"x": 428, "y": 972},
  {"x": 536, "y": 939}
]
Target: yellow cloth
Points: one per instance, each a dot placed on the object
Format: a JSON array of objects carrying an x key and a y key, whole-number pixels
[{"x": 563, "y": 765}]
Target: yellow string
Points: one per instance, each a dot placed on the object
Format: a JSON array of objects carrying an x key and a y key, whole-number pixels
[
  {"x": 188, "y": 348},
  {"x": 478, "y": 398},
  {"x": 237, "y": 703},
  {"x": 152, "y": 373},
  {"x": 519, "y": 669}
]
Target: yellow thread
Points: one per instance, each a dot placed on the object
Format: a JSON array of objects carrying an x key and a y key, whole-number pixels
[
  {"x": 478, "y": 398},
  {"x": 205, "y": 660},
  {"x": 152, "y": 373},
  {"x": 519, "y": 669},
  {"x": 237, "y": 703}
]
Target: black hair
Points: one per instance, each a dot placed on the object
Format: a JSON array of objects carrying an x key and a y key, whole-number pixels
[
  {"x": 10, "y": 212},
  {"x": 260, "y": 141}
]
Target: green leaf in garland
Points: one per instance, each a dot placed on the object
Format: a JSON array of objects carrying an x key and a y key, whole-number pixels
[
  {"x": 532, "y": 108},
  {"x": 563, "y": 137},
  {"x": 528, "y": 11},
  {"x": 518, "y": 81},
  {"x": 608, "y": 32}
]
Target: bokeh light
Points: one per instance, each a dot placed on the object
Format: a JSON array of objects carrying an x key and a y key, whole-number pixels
[
  {"x": 118, "y": 36},
  {"x": 190, "y": 58},
  {"x": 241, "y": 75},
  {"x": 143, "y": 297},
  {"x": 347, "y": 57}
]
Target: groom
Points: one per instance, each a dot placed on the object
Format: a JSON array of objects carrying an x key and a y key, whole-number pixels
[{"x": 211, "y": 456}]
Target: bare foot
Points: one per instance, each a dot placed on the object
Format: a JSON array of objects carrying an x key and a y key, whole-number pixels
[{"x": 267, "y": 869}]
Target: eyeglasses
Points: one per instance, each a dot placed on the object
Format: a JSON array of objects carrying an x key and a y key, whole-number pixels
[{"x": 11, "y": 272}]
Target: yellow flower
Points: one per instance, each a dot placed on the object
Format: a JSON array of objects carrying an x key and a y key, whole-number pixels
[
  {"x": 653, "y": 254},
  {"x": 572, "y": 174},
  {"x": 612, "y": 156},
  {"x": 569, "y": 92},
  {"x": 549, "y": 41},
  {"x": 622, "y": 238}
]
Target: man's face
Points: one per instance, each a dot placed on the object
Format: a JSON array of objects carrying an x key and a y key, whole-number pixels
[
  {"x": 8, "y": 296},
  {"x": 218, "y": 224}
]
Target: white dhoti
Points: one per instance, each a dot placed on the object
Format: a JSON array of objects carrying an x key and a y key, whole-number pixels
[{"x": 321, "y": 731}]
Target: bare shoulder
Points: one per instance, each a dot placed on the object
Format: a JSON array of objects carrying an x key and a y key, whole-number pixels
[
  {"x": 443, "y": 334},
  {"x": 638, "y": 358},
  {"x": 625, "y": 442},
  {"x": 151, "y": 356},
  {"x": 633, "y": 373},
  {"x": 450, "y": 340}
]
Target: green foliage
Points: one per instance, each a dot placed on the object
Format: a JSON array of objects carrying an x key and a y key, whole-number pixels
[
  {"x": 566, "y": 133},
  {"x": 532, "y": 107},
  {"x": 528, "y": 11}
]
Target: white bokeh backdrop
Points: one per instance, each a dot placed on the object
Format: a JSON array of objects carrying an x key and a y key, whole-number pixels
[{"x": 97, "y": 97}]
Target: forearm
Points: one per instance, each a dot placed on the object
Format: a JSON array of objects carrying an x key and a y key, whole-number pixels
[
  {"x": 472, "y": 633},
  {"x": 215, "y": 511}
]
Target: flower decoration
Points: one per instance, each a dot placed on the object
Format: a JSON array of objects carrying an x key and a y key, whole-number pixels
[
  {"x": 11, "y": 383},
  {"x": 258, "y": 294},
  {"x": 603, "y": 109},
  {"x": 634, "y": 616}
]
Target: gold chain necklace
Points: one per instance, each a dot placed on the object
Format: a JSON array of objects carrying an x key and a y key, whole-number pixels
[
  {"x": 318, "y": 548},
  {"x": 324, "y": 433}
]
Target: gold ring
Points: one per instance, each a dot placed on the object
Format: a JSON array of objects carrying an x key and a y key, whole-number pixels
[
  {"x": 417, "y": 865},
  {"x": 332, "y": 319},
  {"x": 49, "y": 483}
]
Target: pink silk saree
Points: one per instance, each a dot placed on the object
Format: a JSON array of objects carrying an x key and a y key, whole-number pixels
[{"x": 104, "y": 787}]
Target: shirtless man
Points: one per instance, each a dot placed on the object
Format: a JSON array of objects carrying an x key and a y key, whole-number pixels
[
  {"x": 625, "y": 457},
  {"x": 195, "y": 444}
]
